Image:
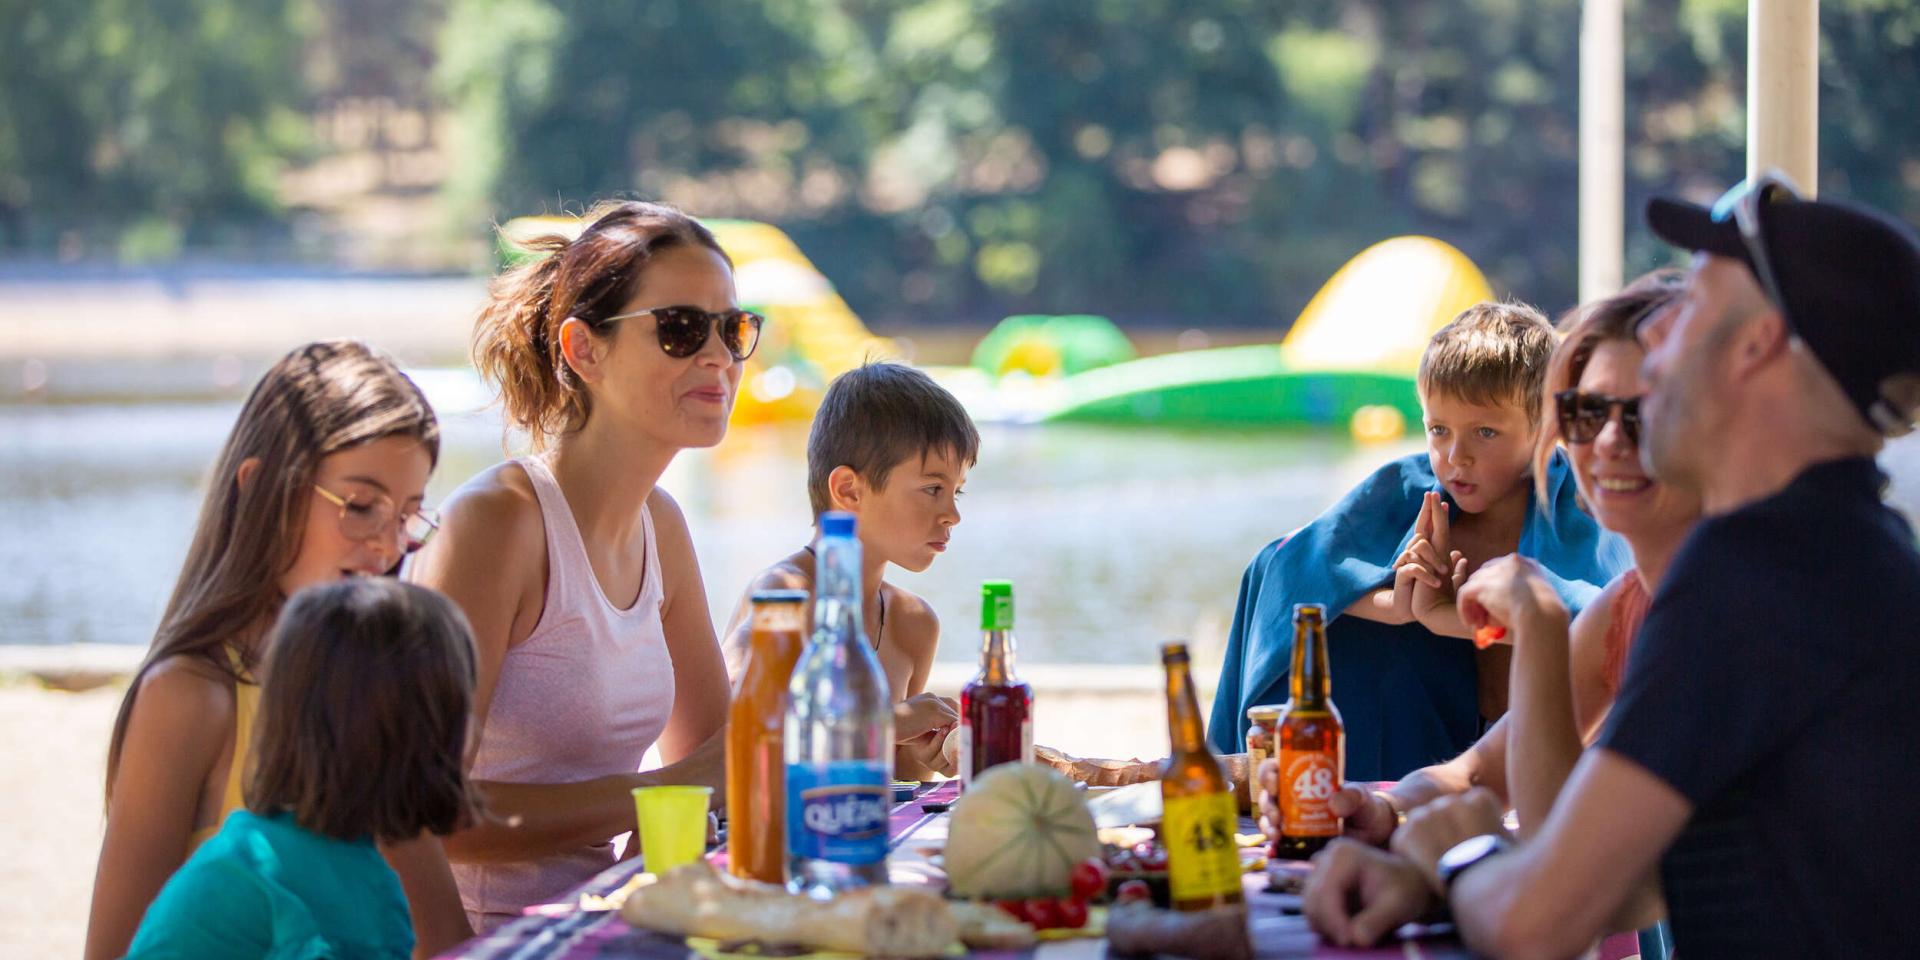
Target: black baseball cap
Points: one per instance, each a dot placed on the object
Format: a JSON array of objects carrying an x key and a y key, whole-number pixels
[{"x": 1846, "y": 278}]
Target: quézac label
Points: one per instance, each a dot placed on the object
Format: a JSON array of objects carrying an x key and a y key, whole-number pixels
[{"x": 837, "y": 811}]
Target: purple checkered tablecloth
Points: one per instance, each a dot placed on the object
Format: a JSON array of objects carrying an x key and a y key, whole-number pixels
[{"x": 563, "y": 931}]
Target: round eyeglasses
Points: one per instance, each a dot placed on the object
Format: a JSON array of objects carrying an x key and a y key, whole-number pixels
[{"x": 369, "y": 516}]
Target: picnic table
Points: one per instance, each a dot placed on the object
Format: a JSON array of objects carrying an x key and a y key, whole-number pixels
[{"x": 570, "y": 931}]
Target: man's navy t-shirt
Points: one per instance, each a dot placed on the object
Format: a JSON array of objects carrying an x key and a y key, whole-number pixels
[{"x": 1776, "y": 684}]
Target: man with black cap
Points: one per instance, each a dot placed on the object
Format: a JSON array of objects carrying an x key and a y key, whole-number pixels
[{"x": 1759, "y": 763}]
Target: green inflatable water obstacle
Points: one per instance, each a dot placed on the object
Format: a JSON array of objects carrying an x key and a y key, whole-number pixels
[
  {"x": 1348, "y": 361},
  {"x": 1042, "y": 345},
  {"x": 1230, "y": 386}
]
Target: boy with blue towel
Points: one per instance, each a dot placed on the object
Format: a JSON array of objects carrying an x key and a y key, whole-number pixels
[{"x": 1410, "y": 686}]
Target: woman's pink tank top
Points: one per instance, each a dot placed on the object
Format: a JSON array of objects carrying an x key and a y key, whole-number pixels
[
  {"x": 583, "y": 696},
  {"x": 1628, "y": 613}
]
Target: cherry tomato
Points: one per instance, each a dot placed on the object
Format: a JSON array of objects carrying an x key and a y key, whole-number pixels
[
  {"x": 1089, "y": 878},
  {"x": 1073, "y": 913},
  {"x": 1016, "y": 909},
  {"x": 1043, "y": 913},
  {"x": 1133, "y": 890}
]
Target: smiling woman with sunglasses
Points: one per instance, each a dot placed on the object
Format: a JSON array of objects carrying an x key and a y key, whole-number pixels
[{"x": 612, "y": 353}]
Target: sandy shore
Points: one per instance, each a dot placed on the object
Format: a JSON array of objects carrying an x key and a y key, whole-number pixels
[
  {"x": 55, "y": 743},
  {"x": 56, "y": 748}
]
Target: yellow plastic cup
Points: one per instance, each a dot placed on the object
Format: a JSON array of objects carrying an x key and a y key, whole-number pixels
[{"x": 673, "y": 824}]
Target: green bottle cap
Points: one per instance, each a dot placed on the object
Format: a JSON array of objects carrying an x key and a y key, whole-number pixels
[{"x": 996, "y": 605}]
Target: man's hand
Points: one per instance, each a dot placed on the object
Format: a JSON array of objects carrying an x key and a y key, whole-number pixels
[
  {"x": 922, "y": 715},
  {"x": 1359, "y": 894},
  {"x": 1435, "y": 828}
]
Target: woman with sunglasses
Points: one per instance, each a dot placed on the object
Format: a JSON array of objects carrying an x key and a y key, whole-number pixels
[
  {"x": 321, "y": 479},
  {"x": 612, "y": 352},
  {"x": 1564, "y": 684}
]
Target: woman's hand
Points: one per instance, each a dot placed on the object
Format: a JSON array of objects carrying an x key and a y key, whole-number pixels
[
  {"x": 705, "y": 766},
  {"x": 923, "y": 714},
  {"x": 1367, "y": 814},
  {"x": 1507, "y": 592}
]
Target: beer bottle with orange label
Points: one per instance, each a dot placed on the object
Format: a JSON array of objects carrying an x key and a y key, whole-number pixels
[
  {"x": 1312, "y": 744},
  {"x": 1198, "y": 809}
]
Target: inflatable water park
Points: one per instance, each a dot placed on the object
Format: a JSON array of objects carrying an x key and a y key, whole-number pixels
[{"x": 1347, "y": 362}]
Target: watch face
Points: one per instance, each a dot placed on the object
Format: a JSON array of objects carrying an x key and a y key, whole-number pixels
[{"x": 1468, "y": 852}]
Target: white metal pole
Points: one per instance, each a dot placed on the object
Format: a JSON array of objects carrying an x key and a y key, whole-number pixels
[
  {"x": 1603, "y": 149},
  {"x": 1783, "y": 89}
]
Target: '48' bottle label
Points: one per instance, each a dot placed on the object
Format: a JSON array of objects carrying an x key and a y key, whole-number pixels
[
  {"x": 837, "y": 811},
  {"x": 1203, "y": 860},
  {"x": 1308, "y": 780}
]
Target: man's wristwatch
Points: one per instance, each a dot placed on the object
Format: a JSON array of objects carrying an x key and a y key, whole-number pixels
[{"x": 1469, "y": 853}]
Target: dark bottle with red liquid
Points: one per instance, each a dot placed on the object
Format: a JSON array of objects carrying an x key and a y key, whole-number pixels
[{"x": 996, "y": 709}]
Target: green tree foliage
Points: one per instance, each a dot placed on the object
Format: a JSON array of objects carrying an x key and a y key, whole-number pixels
[
  {"x": 1194, "y": 162},
  {"x": 142, "y": 126},
  {"x": 1197, "y": 162}
]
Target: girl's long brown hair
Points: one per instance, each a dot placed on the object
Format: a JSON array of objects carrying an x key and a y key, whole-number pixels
[
  {"x": 318, "y": 400},
  {"x": 516, "y": 340},
  {"x": 1582, "y": 330}
]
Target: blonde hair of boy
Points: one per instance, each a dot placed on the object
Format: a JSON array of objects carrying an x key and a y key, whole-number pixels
[{"x": 1493, "y": 353}]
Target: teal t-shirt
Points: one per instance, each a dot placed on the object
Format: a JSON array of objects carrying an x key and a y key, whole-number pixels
[{"x": 264, "y": 887}]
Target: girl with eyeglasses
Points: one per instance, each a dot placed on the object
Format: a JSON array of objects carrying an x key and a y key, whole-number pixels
[
  {"x": 612, "y": 352},
  {"x": 321, "y": 480}
]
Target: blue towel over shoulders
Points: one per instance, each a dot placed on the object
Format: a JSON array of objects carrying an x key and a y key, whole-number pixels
[{"x": 1407, "y": 696}]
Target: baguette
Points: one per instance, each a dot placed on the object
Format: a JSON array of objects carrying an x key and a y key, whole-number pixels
[
  {"x": 697, "y": 900},
  {"x": 984, "y": 926}
]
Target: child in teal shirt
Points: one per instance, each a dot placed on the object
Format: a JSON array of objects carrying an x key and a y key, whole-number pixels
[{"x": 362, "y": 728}]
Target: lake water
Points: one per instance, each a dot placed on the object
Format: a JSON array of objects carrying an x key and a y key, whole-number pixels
[{"x": 1115, "y": 539}]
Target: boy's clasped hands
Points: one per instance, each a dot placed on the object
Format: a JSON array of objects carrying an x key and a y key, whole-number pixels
[{"x": 1428, "y": 573}]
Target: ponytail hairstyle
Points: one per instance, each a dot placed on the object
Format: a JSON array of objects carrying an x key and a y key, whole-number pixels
[
  {"x": 364, "y": 713},
  {"x": 516, "y": 339},
  {"x": 318, "y": 400},
  {"x": 1582, "y": 330}
]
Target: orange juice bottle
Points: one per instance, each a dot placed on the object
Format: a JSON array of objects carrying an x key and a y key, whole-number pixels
[{"x": 756, "y": 763}]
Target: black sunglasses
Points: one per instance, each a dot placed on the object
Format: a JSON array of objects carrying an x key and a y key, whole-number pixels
[
  {"x": 684, "y": 330},
  {"x": 1583, "y": 415}
]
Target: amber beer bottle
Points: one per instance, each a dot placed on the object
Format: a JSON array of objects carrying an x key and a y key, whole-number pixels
[
  {"x": 1312, "y": 743},
  {"x": 1199, "y": 813},
  {"x": 756, "y": 763}
]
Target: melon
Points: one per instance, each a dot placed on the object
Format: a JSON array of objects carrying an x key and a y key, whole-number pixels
[{"x": 1017, "y": 832}]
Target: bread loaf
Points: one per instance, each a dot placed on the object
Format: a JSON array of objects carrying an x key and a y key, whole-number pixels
[{"x": 697, "y": 900}]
